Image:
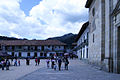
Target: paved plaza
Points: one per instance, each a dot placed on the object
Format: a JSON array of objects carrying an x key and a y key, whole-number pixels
[
  {"x": 78, "y": 70},
  {"x": 19, "y": 71}
]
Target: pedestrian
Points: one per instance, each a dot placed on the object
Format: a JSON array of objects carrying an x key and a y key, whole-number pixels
[
  {"x": 26, "y": 61},
  {"x": 19, "y": 62},
  {"x": 55, "y": 65},
  {"x": 48, "y": 61},
  {"x": 66, "y": 63},
  {"x": 59, "y": 63},
  {"x": 52, "y": 63},
  {"x": 2, "y": 64},
  {"x": 15, "y": 62},
  {"x": 12, "y": 62},
  {"x": 36, "y": 61},
  {"x": 7, "y": 64}
]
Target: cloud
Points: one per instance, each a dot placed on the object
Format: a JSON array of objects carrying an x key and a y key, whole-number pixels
[{"x": 47, "y": 19}]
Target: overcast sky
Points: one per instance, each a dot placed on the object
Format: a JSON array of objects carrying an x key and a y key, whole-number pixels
[{"x": 40, "y": 19}]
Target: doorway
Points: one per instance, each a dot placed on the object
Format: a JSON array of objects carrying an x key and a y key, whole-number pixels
[
  {"x": 19, "y": 54},
  {"x": 118, "y": 51},
  {"x": 35, "y": 54}
]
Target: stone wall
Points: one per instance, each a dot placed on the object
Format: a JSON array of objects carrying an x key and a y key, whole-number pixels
[{"x": 96, "y": 33}]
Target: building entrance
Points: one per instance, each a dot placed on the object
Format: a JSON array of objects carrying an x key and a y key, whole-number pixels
[{"x": 118, "y": 51}]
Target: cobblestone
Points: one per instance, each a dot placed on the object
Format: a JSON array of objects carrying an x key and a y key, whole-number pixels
[{"x": 77, "y": 71}]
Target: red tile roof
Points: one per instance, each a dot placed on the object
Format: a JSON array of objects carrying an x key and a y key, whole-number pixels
[{"x": 31, "y": 42}]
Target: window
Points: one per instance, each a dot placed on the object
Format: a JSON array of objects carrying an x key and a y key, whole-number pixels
[
  {"x": 93, "y": 38},
  {"x": 25, "y": 48},
  {"x": 32, "y": 47},
  {"x": 93, "y": 12},
  {"x": 42, "y": 48}
]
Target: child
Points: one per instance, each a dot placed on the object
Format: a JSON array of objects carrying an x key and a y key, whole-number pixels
[{"x": 55, "y": 65}]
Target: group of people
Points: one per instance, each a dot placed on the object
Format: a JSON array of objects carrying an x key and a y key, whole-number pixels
[
  {"x": 16, "y": 62},
  {"x": 5, "y": 63},
  {"x": 57, "y": 62},
  {"x": 37, "y": 61}
]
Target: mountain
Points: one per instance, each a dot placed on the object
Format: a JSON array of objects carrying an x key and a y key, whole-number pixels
[
  {"x": 10, "y": 38},
  {"x": 67, "y": 38}
]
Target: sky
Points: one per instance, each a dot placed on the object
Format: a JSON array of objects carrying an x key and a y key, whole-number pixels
[{"x": 41, "y": 19}]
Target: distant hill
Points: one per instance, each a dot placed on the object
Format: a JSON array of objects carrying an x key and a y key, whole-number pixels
[
  {"x": 10, "y": 38},
  {"x": 67, "y": 38}
]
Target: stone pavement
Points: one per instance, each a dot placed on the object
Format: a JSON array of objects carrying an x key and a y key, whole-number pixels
[
  {"x": 77, "y": 71},
  {"x": 19, "y": 71}
]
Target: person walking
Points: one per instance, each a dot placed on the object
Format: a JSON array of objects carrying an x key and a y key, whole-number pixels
[
  {"x": 36, "y": 61},
  {"x": 19, "y": 62},
  {"x": 52, "y": 63},
  {"x": 59, "y": 63},
  {"x": 2, "y": 64},
  {"x": 55, "y": 65},
  {"x": 15, "y": 62},
  {"x": 66, "y": 63},
  {"x": 7, "y": 64},
  {"x": 26, "y": 61},
  {"x": 48, "y": 61},
  {"x": 11, "y": 62}
]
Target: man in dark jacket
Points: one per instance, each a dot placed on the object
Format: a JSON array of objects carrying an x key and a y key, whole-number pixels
[
  {"x": 59, "y": 63},
  {"x": 66, "y": 63}
]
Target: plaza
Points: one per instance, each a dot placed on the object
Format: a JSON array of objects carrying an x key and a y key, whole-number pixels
[{"x": 78, "y": 70}]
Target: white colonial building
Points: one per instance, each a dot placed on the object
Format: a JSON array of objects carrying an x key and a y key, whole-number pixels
[
  {"x": 82, "y": 42},
  {"x": 33, "y": 48},
  {"x": 104, "y": 35}
]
